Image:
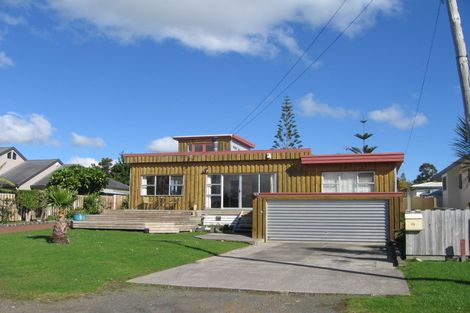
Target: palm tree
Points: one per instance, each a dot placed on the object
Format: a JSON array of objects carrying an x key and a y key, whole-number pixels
[
  {"x": 62, "y": 199},
  {"x": 461, "y": 144}
]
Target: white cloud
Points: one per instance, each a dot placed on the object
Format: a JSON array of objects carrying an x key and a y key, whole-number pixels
[
  {"x": 309, "y": 106},
  {"x": 80, "y": 140},
  {"x": 84, "y": 161},
  {"x": 10, "y": 19},
  {"x": 33, "y": 128},
  {"x": 165, "y": 144},
  {"x": 242, "y": 26},
  {"x": 397, "y": 117},
  {"x": 5, "y": 61}
]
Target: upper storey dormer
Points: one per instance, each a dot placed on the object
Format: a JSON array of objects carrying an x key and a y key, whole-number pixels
[
  {"x": 207, "y": 143},
  {"x": 9, "y": 158}
]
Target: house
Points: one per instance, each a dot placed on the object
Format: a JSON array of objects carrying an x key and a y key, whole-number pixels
[
  {"x": 290, "y": 194},
  {"x": 35, "y": 174},
  {"x": 426, "y": 189},
  {"x": 455, "y": 185},
  {"x": 23, "y": 172}
]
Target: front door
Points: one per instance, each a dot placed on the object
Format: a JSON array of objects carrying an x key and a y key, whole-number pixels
[{"x": 231, "y": 191}]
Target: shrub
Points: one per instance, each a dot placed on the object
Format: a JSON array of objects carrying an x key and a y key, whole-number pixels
[
  {"x": 93, "y": 204},
  {"x": 30, "y": 200},
  {"x": 83, "y": 180}
]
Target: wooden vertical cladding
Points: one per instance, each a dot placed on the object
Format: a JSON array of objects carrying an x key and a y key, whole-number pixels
[{"x": 291, "y": 174}]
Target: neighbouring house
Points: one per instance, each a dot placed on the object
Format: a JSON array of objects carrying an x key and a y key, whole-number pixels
[
  {"x": 35, "y": 174},
  {"x": 23, "y": 172},
  {"x": 423, "y": 193},
  {"x": 455, "y": 185},
  {"x": 290, "y": 194}
]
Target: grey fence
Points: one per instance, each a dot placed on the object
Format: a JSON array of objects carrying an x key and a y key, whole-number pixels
[{"x": 442, "y": 231}]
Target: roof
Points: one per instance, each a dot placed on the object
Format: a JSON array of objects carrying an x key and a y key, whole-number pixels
[
  {"x": 4, "y": 150},
  {"x": 27, "y": 170},
  {"x": 392, "y": 157},
  {"x": 233, "y": 137},
  {"x": 114, "y": 184},
  {"x": 448, "y": 168},
  {"x": 216, "y": 156},
  {"x": 427, "y": 185}
]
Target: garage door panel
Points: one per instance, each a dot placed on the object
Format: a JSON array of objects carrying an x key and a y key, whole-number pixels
[{"x": 328, "y": 221}]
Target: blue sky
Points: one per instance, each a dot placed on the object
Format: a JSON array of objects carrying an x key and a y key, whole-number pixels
[{"x": 81, "y": 80}]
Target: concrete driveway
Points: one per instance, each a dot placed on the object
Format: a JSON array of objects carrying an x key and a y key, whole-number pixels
[{"x": 291, "y": 267}]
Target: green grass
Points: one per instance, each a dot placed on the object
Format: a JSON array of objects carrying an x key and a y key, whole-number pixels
[
  {"x": 32, "y": 268},
  {"x": 435, "y": 287}
]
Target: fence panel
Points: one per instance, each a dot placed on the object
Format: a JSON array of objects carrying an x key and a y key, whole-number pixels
[{"x": 442, "y": 231}]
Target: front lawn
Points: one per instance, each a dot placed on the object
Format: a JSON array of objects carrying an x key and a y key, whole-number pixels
[
  {"x": 435, "y": 287},
  {"x": 30, "y": 267}
]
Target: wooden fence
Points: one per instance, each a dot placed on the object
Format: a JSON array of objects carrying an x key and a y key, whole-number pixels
[
  {"x": 114, "y": 202},
  {"x": 418, "y": 203},
  {"x": 442, "y": 231}
]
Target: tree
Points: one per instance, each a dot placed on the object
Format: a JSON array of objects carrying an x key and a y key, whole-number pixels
[
  {"x": 364, "y": 136},
  {"x": 403, "y": 183},
  {"x": 105, "y": 165},
  {"x": 120, "y": 170},
  {"x": 83, "y": 180},
  {"x": 62, "y": 199},
  {"x": 426, "y": 173},
  {"x": 6, "y": 185},
  {"x": 287, "y": 135},
  {"x": 461, "y": 144}
]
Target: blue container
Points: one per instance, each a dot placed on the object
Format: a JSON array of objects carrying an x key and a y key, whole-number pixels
[{"x": 79, "y": 217}]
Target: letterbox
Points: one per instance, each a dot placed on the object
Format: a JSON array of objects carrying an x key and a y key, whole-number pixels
[{"x": 413, "y": 221}]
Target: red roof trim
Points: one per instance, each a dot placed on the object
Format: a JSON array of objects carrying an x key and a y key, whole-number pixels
[
  {"x": 330, "y": 193},
  {"x": 218, "y": 152},
  {"x": 392, "y": 157},
  {"x": 243, "y": 141}
]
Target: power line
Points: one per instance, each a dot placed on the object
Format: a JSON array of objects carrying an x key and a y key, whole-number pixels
[
  {"x": 364, "y": 9},
  {"x": 292, "y": 66},
  {"x": 426, "y": 69}
]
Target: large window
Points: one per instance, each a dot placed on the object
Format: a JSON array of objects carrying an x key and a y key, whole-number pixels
[
  {"x": 162, "y": 185},
  {"x": 236, "y": 191},
  {"x": 348, "y": 182}
]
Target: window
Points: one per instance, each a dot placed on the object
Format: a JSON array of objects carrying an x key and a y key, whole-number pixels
[
  {"x": 444, "y": 182},
  {"x": 235, "y": 190},
  {"x": 14, "y": 156},
  {"x": 162, "y": 185},
  {"x": 203, "y": 147},
  {"x": 460, "y": 181},
  {"x": 9, "y": 155},
  {"x": 348, "y": 182}
]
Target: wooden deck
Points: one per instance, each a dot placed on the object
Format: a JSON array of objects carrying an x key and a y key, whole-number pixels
[{"x": 152, "y": 221}]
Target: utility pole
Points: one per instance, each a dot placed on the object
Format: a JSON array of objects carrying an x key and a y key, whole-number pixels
[{"x": 462, "y": 57}]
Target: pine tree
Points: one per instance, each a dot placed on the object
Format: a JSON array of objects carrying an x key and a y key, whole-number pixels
[
  {"x": 364, "y": 136},
  {"x": 287, "y": 135}
]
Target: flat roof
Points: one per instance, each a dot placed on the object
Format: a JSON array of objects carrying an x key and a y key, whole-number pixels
[
  {"x": 234, "y": 137},
  {"x": 391, "y": 157}
]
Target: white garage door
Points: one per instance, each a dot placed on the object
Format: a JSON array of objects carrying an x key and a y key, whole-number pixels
[{"x": 348, "y": 221}]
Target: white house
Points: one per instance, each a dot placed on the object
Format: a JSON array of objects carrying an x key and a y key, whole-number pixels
[
  {"x": 23, "y": 172},
  {"x": 455, "y": 185}
]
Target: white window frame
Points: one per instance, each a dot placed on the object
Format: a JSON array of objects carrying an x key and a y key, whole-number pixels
[
  {"x": 144, "y": 187},
  {"x": 240, "y": 192},
  {"x": 339, "y": 185}
]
